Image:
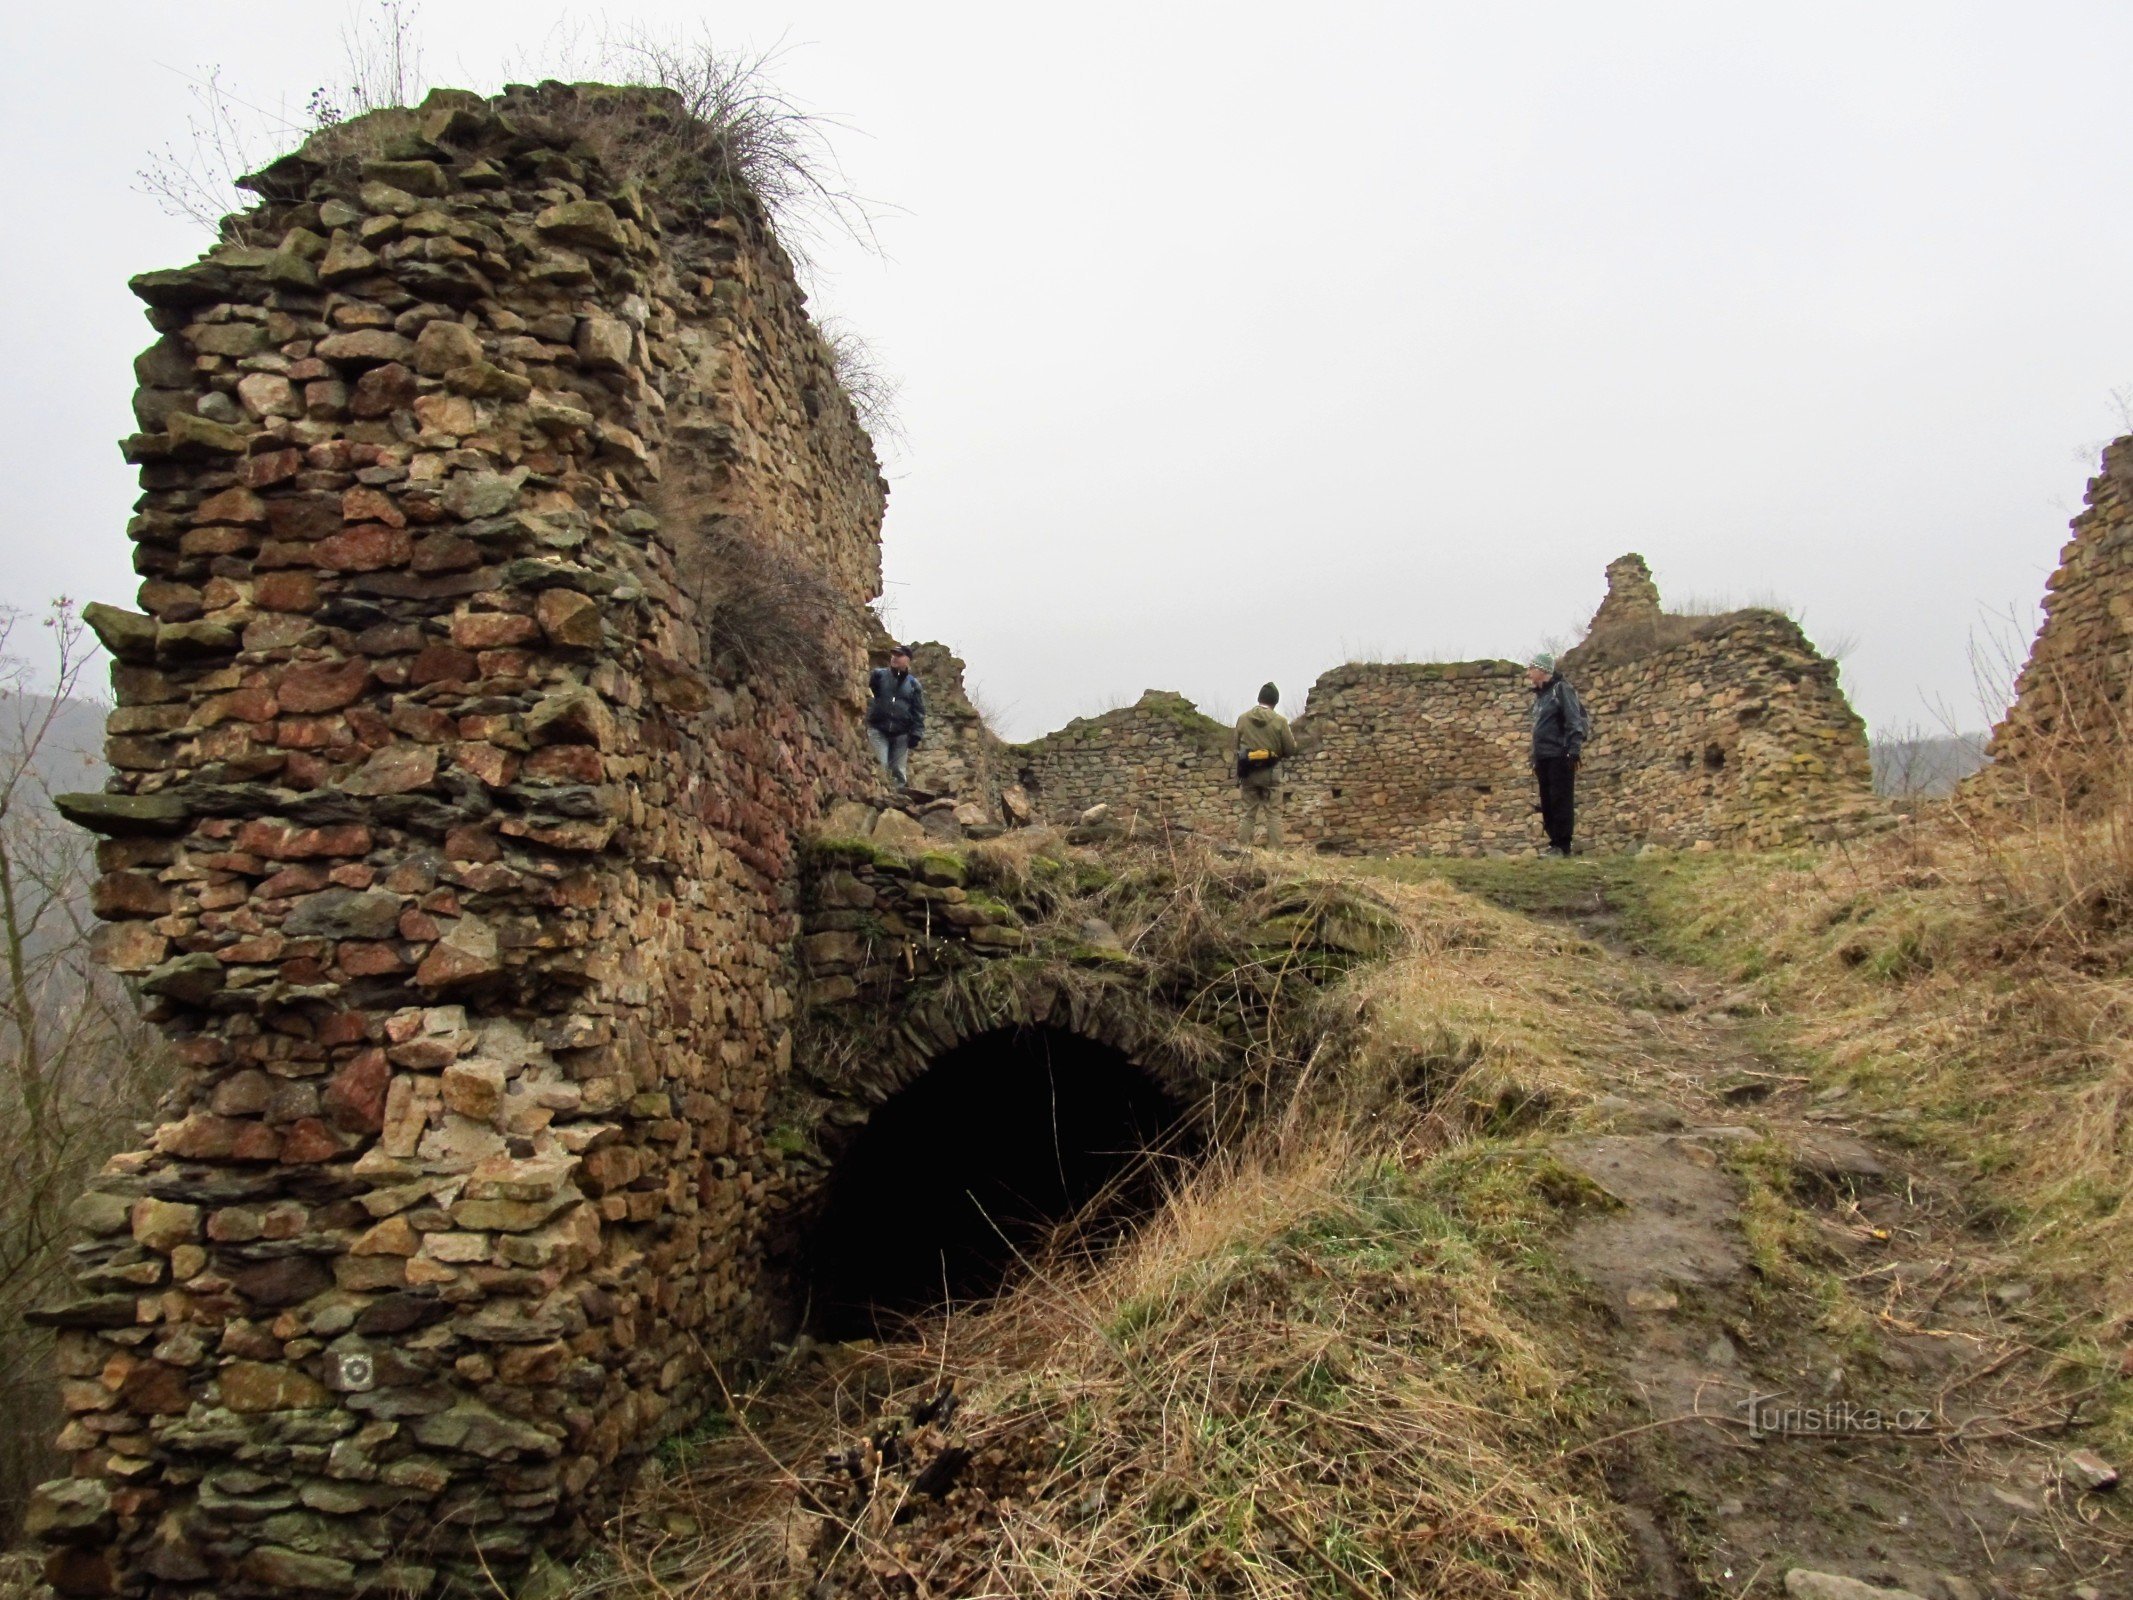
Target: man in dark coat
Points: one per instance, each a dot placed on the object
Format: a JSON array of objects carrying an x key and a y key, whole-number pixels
[
  {"x": 896, "y": 715},
  {"x": 1559, "y": 729}
]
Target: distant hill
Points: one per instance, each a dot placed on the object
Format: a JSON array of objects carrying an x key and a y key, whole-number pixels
[{"x": 1925, "y": 764}]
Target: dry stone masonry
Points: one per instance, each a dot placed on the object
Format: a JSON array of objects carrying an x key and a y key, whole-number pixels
[
  {"x": 1727, "y": 730},
  {"x": 2070, "y": 711},
  {"x": 448, "y": 850}
]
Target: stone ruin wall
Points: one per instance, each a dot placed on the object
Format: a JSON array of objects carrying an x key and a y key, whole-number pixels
[
  {"x": 1728, "y": 730},
  {"x": 450, "y": 855},
  {"x": 2070, "y": 709}
]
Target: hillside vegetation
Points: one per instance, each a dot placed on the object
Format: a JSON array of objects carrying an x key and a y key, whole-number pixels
[{"x": 1605, "y": 1147}]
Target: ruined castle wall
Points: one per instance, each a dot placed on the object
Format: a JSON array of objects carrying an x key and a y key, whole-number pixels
[
  {"x": 1159, "y": 759},
  {"x": 1424, "y": 758},
  {"x": 2070, "y": 706},
  {"x": 1728, "y": 730},
  {"x": 455, "y": 852},
  {"x": 1737, "y": 734}
]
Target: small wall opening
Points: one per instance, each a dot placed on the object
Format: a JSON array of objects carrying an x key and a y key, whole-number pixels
[{"x": 963, "y": 1173}]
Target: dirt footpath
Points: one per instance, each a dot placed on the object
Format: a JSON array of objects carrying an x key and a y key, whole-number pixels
[{"x": 1836, "y": 1384}]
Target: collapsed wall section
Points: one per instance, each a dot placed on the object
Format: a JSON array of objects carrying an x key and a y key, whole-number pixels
[
  {"x": 451, "y": 840},
  {"x": 2070, "y": 711},
  {"x": 1727, "y": 730}
]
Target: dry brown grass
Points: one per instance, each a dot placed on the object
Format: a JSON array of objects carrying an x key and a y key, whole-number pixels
[
  {"x": 1306, "y": 1377},
  {"x": 1337, "y": 1361},
  {"x": 1970, "y": 979}
]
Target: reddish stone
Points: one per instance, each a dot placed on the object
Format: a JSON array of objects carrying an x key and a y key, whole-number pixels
[
  {"x": 237, "y": 504},
  {"x": 355, "y": 1096},
  {"x": 418, "y": 926},
  {"x": 279, "y": 555},
  {"x": 567, "y": 763},
  {"x": 422, "y": 722},
  {"x": 469, "y": 843},
  {"x": 571, "y": 620},
  {"x": 488, "y": 630},
  {"x": 200, "y": 1137},
  {"x": 395, "y": 769},
  {"x": 343, "y": 1027},
  {"x": 323, "y": 686},
  {"x": 129, "y": 894},
  {"x": 494, "y": 767},
  {"x": 293, "y": 880},
  {"x": 285, "y": 591},
  {"x": 315, "y": 733},
  {"x": 308, "y": 1142},
  {"x": 155, "y": 1390},
  {"x": 371, "y": 730},
  {"x": 365, "y": 504},
  {"x": 362, "y": 959},
  {"x": 503, "y": 664},
  {"x": 354, "y": 875},
  {"x": 272, "y": 467},
  {"x": 250, "y": 704},
  {"x": 259, "y": 951},
  {"x": 483, "y": 877},
  {"x": 441, "y": 663},
  {"x": 382, "y": 391},
  {"x": 304, "y": 519},
  {"x": 256, "y": 1142},
  {"x": 444, "y": 552},
  {"x": 366, "y": 547},
  {"x": 304, "y": 772},
  {"x": 216, "y": 541},
  {"x": 278, "y": 841},
  {"x": 425, "y": 1053}
]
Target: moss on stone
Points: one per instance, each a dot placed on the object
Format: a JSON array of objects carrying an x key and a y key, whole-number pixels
[{"x": 942, "y": 867}]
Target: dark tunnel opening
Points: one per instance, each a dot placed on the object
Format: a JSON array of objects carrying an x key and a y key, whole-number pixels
[{"x": 964, "y": 1172}]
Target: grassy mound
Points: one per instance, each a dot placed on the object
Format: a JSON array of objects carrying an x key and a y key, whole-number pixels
[{"x": 1340, "y": 1359}]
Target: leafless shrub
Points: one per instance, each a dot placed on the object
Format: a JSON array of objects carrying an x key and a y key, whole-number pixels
[
  {"x": 765, "y": 613},
  {"x": 76, "y": 1064},
  {"x": 871, "y": 387},
  {"x": 738, "y": 131},
  {"x": 228, "y": 136},
  {"x": 1916, "y": 762}
]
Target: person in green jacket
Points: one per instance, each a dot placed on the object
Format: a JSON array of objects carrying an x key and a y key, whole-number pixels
[{"x": 1263, "y": 744}]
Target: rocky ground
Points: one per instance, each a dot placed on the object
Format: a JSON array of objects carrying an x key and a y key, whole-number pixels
[{"x": 1840, "y": 1372}]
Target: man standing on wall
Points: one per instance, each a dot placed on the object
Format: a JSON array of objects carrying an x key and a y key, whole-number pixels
[
  {"x": 1263, "y": 744},
  {"x": 1559, "y": 729},
  {"x": 896, "y": 715}
]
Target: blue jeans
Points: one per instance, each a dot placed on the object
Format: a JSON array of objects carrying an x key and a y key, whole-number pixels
[{"x": 893, "y": 751}]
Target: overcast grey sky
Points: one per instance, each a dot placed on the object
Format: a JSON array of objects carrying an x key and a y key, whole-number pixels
[{"x": 1238, "y": 340}]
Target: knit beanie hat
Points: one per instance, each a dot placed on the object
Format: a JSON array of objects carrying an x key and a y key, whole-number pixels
[{"x": 1269, "y": 695}]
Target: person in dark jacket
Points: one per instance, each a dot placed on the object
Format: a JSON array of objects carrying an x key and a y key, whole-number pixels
[
  {"x": 1559, "y": 729},
  {"x": 896, "y": 715}
]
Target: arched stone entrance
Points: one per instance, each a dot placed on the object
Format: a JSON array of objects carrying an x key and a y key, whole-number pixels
[{"x": 962, "y": 1175}]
